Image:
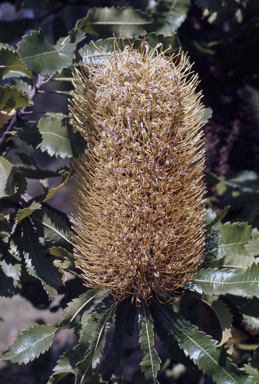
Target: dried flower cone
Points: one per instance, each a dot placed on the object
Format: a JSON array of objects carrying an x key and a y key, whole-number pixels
[{"x": 138, "y": 190}]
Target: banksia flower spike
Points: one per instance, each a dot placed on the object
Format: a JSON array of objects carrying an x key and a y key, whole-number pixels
[{"x": 138, "y": 191}]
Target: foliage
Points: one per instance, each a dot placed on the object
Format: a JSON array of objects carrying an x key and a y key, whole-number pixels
[{"x": 36, "y": 146}]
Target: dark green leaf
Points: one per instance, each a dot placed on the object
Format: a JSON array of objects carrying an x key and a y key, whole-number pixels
[
  {"x": 30, "y": 344},
  {"x": 77, "y": 307},
  {"x": 200, "y": 347},
  {"x": 249, "y": 309},
  {"x": 55, "y": 132},
  {"x": 222, "y": 281},
  {"x": 41, "y": 57},
  {"x": 51, "y": 226},
  {"x": 114, "y": 21},
  {"x": 13, "y": 98},
  {"x": 36, "y": 262},
  {"x": 151, "y": 362},
  {"x": 169, "y": 16},
  {"x": 11, "y": 64}
]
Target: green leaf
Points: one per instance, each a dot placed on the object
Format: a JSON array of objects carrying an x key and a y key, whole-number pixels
[
  {"x": 151, "y": 363},
  {"x": 55, "y": 132},
  {"x": 77, "y": 306},
  {"x": 52, "y": 226},
  {"x": 225, "y": 319},
  {"x": 222, "y": 281},
  {"x": 114, "y": 21},
  {"x": 25, "y": 212},
  {"x": 11, "y": 64},
  {"x": 253, "y": 367},
  {"x": 36, "y": 262},
  {"x": 207, "y": 115},
  {"x": 125, "y": 314},
  {"x": 7, "y": 179},
  {"x": 13, "y": 98},
  {"x": 200, "y": 347},
  {"x": 30, "y": 344},
  {"x": 93, "y": 336},
  {"x": 169, "y": 16},
  {"x": 41, "y": 57}
]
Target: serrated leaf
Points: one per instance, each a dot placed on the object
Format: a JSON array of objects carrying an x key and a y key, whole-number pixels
[
  {"x": 11, "y": 64},
  {"x": 169, "y": 16},
  {"x": 66, "y": 364},
  {"x": 94, "y": 329},
  {"x": 114, "y": 21},
  {"x": 77, "y": 307},
  {"x": 74, "y": 36},
  {"x": 222, "y": 281},
  {"x": 13, "y": 98},
  {"x": 151, "y": 362},
  {"x": 41, "y": 57},
  {"x": 30, "y": 344},
  {"x": 7, "y": 180},
  {"x": 54, "y": 190},
  {"x": 200, "y": 347},
  {"x": 125, "y": 314},
  {"x": 51, "y": 226},
  {"x": 36, "y": 262},
  {"x": 25, "y": 212},
  {"x": 225, "y": 318},
  {"x": 55, "y": 132},
  {"x": 92, "y": 339}
]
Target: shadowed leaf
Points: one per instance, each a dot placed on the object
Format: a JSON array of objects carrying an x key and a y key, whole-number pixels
[
  {"x": 13, "y": 98},
  {"x": 114, "y": 21},
  {"x": 11, "y": 64},
  {"x": 151, "y": 362}
]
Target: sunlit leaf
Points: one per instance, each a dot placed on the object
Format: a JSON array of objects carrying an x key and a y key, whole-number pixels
[
  {"x": 30, "y": 344},
  {"x": 201, "y": 348},
  {"x": 54, "y": 190},
  {"x": 114, "y": 21},
  {"x": 222, "y": 281},
  {"x": 55, "y": 132},
  {"x": 13, "y": 98},
  {"x": 41, "y": 57},
  {"x": 11, "y": 64},
  {"x": 25, "y": 212},
  {"x": 7, "y": 179},
  {"x": 151, "y": 362}
]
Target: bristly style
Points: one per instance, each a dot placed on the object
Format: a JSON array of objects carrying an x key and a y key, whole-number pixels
[{"x": 138, "y": 191}]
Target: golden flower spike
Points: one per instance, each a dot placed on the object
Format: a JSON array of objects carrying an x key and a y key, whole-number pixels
[{"x": 138, "y": 192}]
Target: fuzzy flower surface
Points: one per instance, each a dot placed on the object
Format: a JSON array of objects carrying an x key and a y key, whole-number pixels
[{"x": 138, "y": 192}]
